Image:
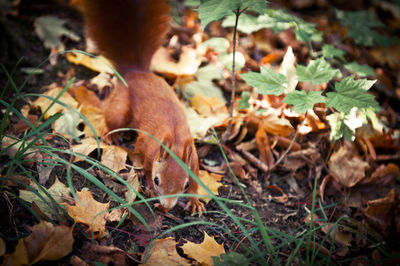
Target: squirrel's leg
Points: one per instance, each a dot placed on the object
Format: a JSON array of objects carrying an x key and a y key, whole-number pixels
[{"x": 117, "y": 111}]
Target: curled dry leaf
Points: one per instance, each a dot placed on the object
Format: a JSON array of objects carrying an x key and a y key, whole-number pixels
[
  {"x": 204, "y": 251},
  {"x": 381, "y": 212},
  {"x": 46, "y": 242},
  {"x": 347, "y": 168},
  {"x": 90, "y": 212},
  {"x": 163, "y": 252},
  {"x": 211, "y": 181}
]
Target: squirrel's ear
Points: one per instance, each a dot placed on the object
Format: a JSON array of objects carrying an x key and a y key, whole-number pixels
[
  {"x": 163, "y": 153},
  {"x": 190, "y": 157}
]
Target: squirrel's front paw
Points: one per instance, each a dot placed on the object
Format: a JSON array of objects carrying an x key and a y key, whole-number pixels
[{"x": 195, "y": 205}]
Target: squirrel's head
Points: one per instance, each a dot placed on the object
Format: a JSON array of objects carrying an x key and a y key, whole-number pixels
[{"x": 169, "y": 177}]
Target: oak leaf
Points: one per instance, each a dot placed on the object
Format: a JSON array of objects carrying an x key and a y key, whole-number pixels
[
  {"x": 163, "y": 252},
  {"x": 43, "y": 102},
  {"x": 90, "y": 212},
  {"x": 204, "y": 251}
]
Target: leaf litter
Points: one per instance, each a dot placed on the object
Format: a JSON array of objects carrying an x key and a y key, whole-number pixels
[{"x": 360, "y": 179}]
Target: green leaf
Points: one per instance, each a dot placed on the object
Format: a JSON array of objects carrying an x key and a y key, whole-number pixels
[
  {"x": 50, "y": 29},
  {"x": 243, "y": 103},
  {"x": 210, "y": 10},
  {"x": 230, "y": 259},
  {"x": 267, "y": 82},
  {"x": 303, "y": 101},
  {"x": 218, "y": 44},
  {"x": 360, "y": 70},
  {"x": 351, "y": 93},
  {"x": 316, "y": 72},
  {"x": 338, "y": 128},
  {"x": 360, "y": 26},
  {"x": 246, "y": 24},
  {"x": 329, "y": 51},
  {"x": 240, "y": 60}
]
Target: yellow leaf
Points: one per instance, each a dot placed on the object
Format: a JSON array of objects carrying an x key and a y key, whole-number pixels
[
  {"x": 112, "y": 156},
  {"x": 204, "y": 251},
  {"x": 211, "y": 181},
  {"x": 188, "y": 62},
  {"x": 46, "y": 242},
  {"x": 98, "y": 63},
  {"x": 208, "y": 106},
  {"x": 89, "y": 212},
  {"x": 164, "y": 253},
  {"x": 43, "y": 103}
]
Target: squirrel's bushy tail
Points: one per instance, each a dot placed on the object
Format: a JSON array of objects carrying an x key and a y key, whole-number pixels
[{"x": 128, "y": 32}]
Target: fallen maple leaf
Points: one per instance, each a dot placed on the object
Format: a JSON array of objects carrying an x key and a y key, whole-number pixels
[
  {"x": 347, "y": 168},
  {"x": 204, "y": 251},
  {"x": 211, "y": 180},
  {"x": 90, "y": 212},
  {"x": 112, "y": 156},
  {"x": 163, "y": 252},
  {"x": 46, "y": 242}
]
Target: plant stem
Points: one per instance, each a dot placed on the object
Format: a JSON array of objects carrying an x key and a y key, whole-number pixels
[{"x": 225, "y": 137}]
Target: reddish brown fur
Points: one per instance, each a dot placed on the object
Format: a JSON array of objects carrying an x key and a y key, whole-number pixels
[{"x": 128, "y": 32}]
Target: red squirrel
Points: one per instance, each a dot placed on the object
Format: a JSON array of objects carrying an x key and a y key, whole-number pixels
[{"x": 128, "y": 32}]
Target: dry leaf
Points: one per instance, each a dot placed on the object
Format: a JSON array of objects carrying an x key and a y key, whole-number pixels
[
  {"x": 58, "y": 191},
  {"x": 163, "y": 252},
  {"x": 211, "y": 181},
  {"x": 208, "y": 106},
  {"x": 133, "y": 180},
  {"x": 275, "y": 125},
  {"x": 112, "y": 156},
  {"x": 341, "y": 237},
  {"x": 43, "y": 103},
  {"x": 46, "y": 242},
  {"x": 105, "y": 255},
  {"x": 347, "y": 168},
  {"x": 98, "y": 63},
  {"x": 89, "y": 212},
  {"x": 381, "y": 212},
  {"x": 204, "y": 251},
  {"x": 188, "y": 62}
]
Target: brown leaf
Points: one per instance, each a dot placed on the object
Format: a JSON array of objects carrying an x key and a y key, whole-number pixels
[
  {"x": 163, "y": 252},
  {"x": 204, "y": 251},
  {"x": 107, "y": 255},
  {"x": 341, "y": 237},
  {"x": 46, "y": 242},
  {"x": 381, "y": 212},
  {"x": 89, "y": 212},
  {"x": 347, "y": 168}
]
